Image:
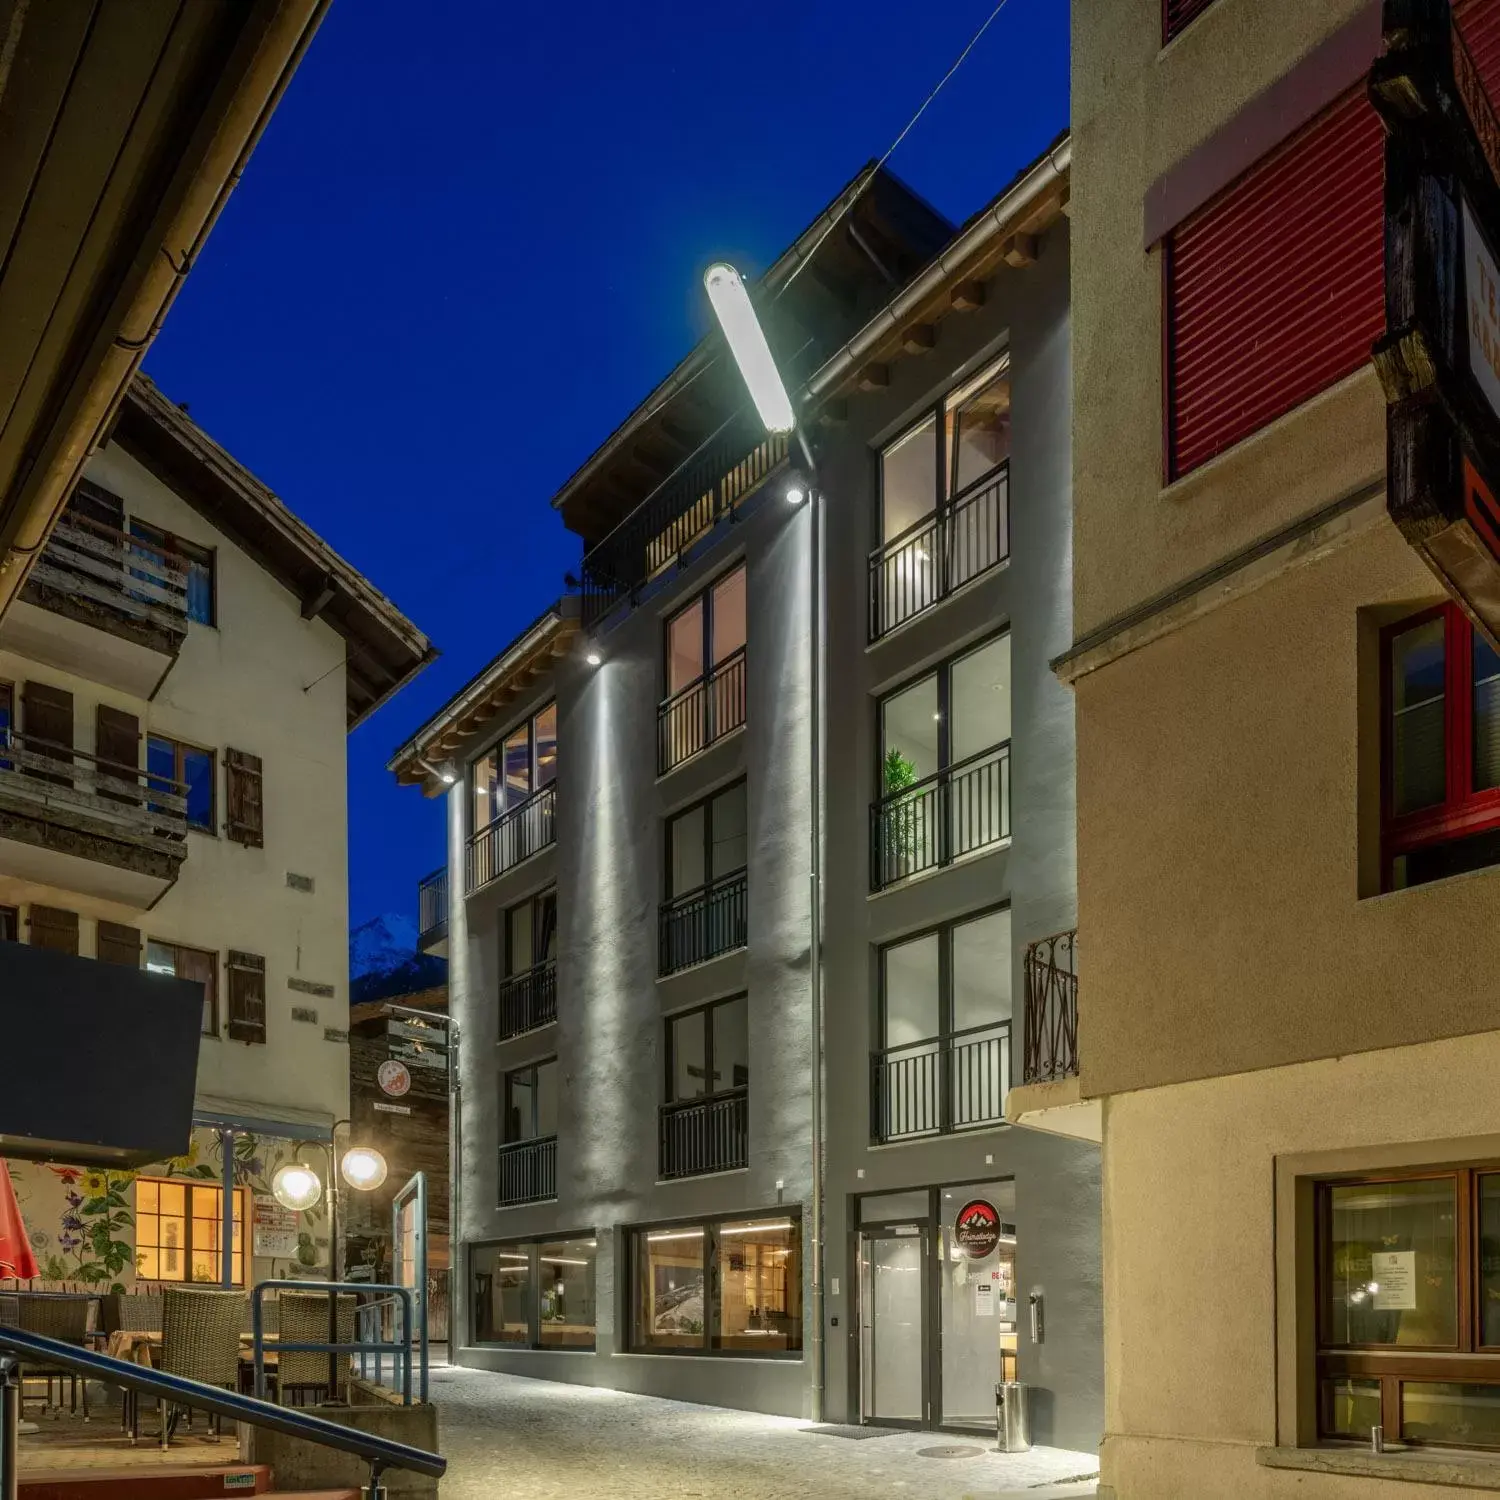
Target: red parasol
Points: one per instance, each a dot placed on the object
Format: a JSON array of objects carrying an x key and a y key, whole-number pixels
[{"x": 16, "y": 1258}]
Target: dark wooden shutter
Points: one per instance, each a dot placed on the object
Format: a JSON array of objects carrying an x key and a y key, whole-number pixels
[
  {"x": 1175, "y": 14},
  {"x": 117, "y": 739},
  {"x": 47, "y": 725},
  {"x": 246, "y": 1018},
  {"x": 118, "y": 945},
  {"x": 242, "y": 778},
  {"x": 52, "y": 927}
]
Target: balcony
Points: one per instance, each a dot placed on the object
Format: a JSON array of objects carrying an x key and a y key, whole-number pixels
[
  {"x": 528, "y": 1171},
  {"x": 432, "y": 913},
  {"x": 701, "y": 714},
  {"x": 1049, "y": 1096},
  {"x": 528, "y": 1000},
  {"x": 699, "y": 1136},
  {"x": 950, "y": 815},
  {"x": 703, "y": 923},
  {"x": 78, "y": 823},
  {"x": 709, "y": 485},
  {"x": 103, "y": 605},
  {"x": 916, "y": 571},
  {"x": 515, "y": 835},
  {"x": 942, "y": 1085}
]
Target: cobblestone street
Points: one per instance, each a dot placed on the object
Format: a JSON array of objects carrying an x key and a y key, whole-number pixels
[{"x": 539, "y": 1440}]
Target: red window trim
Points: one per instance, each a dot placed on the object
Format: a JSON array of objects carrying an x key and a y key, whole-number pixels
[{"x": 1463, "y": 811}]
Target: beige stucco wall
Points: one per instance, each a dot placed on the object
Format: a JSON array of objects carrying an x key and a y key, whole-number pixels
[
  {"x": 1138, "y": 110},
  {"x": 1193, "y": 1298},
  {"x": 240, "y": 684}
]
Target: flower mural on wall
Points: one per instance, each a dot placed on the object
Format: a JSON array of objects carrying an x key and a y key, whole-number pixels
[{"x": 93, "y": 1229}]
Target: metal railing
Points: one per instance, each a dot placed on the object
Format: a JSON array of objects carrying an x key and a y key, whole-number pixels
[
  {"x": 528, "y": 999},
  {"x": 432, "y": 905},
  {"x": 379, "y": 1453},
  {"x": 55, "y": 780},
  {"x": 701, "y": 713},
  {"x": 941, "y": 1085},
  {"x": 86, "y": 559},
  {"x": 955, "y": 812},
  {"x": 516, "y": 834},
  {"x": 701, "y": 924},
  {"x": 528, "y": 1171},
  {"x": 711, "y": 1134},
  {"x": 725, "y": 469},
  {"x": 1050, "y": 1044},
  {"x": 940, "y": 553}
]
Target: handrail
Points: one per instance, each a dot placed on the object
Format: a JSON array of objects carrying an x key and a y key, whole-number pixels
[{"x": 126, "y": 1374}]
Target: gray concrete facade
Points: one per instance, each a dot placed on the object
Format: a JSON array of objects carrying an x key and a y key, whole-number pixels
[{"x": 608, "y": 869}]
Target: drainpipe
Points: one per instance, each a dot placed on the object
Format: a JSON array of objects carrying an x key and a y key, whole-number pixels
[{"x": 815, "y": 916}]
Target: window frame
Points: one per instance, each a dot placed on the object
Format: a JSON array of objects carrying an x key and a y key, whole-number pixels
[
  {"x": 497, "y": 746},
  {"x": 1468, "y": 1361},
  {"x": 1463, "y": 812},
  {"x": 669, "y": 1049},
  {"x": 507, "y": 1077},
  {"x": 531, "y": 1245},
  {"x": 245, "y": 1254},
  {"x": 179, "y": 775},
  {"x": 191, "y": 553},
  {"x": 711, "y": 1225},
  {"x": 709, "y": 878},
  {"x": 538, "y": 902},
  {"x": 943, "y": 931},
  {"x": 703, "y": 597},
  {"x": 177, "y": 949}
]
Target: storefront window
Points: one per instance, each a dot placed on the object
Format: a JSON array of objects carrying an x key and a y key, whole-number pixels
[
  {"x": 760, "y": 1286},
  {"x": 567, "y": 1294},
  {"x": 535, "y": 1295},
  {"x": 502, "y": 1294},
  {"x": 669, "y": 1288}
]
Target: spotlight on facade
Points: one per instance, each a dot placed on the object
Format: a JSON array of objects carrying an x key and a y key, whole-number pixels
[
  {"x": 796, "y": 492},
  {"x": 296, "y": 1187},
  {"x": 747, "y": 343},
  {"x": 363, "y": 1167},
  {"x": 593, "y": 658}
]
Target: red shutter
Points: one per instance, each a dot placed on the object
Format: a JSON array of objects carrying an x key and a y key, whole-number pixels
[
  {"x": 1479, "y": 20},
  {"x": 1175, "y": 14}
]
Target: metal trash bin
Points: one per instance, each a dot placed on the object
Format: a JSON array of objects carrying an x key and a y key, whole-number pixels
[{"x": 1012, "y": 1417}]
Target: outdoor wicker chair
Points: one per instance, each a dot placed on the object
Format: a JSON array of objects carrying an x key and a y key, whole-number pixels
[
  {"x": 10, "y": 1310},
  {"x": 200, "y": 1340},
  {"x": 304, "y": 1320},
  {"x": 67, "y": 1320},
  {"x": 140, "y": 1312}
]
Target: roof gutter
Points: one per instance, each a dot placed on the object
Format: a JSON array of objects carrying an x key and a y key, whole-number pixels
[
  {"x": 993, "y": 223},
  {"x": 171, "y": 250}
]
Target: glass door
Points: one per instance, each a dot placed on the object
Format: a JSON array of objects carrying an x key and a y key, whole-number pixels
[{"x": 893, "y": 1340}]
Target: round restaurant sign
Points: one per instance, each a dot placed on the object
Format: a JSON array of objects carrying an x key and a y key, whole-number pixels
[
  {"x": 393, "y": 1078},
  {"x": 977, "y": 1228}
]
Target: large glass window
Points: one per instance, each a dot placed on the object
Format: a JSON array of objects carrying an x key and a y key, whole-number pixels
[
  {"x": 705, "y": 910},
  {"x": 530, "y": 1102},
  {"x": 530, "y": 936},
  {"x": 726, "y": 1286},
  {"x": 1442, "y": 748},
  {"x": 520, "y": 765},
  {"x": 708, "y": 1050},
  {"x": 178, "y": 1228},
  {"x": 1408, "y": 1281},
  {"x": 707, "y": 841},
  {"x": 705, "y": 671},
  {"x": 193, "y": 771},
  {"x": 536, "y": 1294}
]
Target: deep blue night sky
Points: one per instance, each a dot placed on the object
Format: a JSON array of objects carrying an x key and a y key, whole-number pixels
[{"x": 467, "y": 247}]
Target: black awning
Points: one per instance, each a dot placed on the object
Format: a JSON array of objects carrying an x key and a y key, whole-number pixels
[{"x": 97, "y": 1061}]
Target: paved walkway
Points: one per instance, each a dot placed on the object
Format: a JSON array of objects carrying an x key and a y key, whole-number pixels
[{"x": 506, "y": 1435}]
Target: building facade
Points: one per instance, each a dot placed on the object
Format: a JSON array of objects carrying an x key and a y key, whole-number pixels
[
  {"x": 1286, "y": 856},
  {"x": 176, "y": 688},
  {"x": 646, "y": 1173}
]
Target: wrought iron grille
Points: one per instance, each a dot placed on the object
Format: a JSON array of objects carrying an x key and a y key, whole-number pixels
[
  {"x": 703, "y": 712},
  {"x": 942, "y": 1085},
  {"x": 705, "y": 922},
  {"x": 705, "y": 1135},
  {"x": 528, "y": 999},
  {"x": 1051, "y": 1039}
]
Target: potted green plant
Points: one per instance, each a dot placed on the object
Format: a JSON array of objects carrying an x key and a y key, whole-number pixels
[{"x": 899, "y": 823}]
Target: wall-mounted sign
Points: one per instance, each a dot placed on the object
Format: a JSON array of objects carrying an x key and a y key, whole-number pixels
[
  {"x": 393, "y": 1077},
  {"x": 275, "y": 1227},
  {"x": 1394, "y": 1273},
  {"x": 984, "y": 1299},
  {"x": 391, "y": 1109},
  {"x": 977, "y": 1228}
]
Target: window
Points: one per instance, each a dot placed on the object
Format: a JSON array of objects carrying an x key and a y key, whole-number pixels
[
  {"x": 704, "y": 672},
  {"x": 246, "y": 1019},
  {"x": 520, "y": 765},
  {"x": 178, "y": 1227},
  {"x": 1441, "y": 750},
  {"x": 727, "y": 1286},
  {"x": 1408, "y": 1280},
  {"x": 944, "y": 505},
  {"x": 536, "y": 1294},
  {"x": 196, "y": 561},
  {"x": 705, "y": 910},
  {"x": 531, "y": 1102},
  {"x": 944, "y": 1026},
  {"x": 190, "y": 770},
  {"x": 10, "y": 924},
  {"x": 944, "y": 773},
  {"x": 243, "y": 792},
  {"x": 708, "y": 1050},
  {"x": 194, "y": 964},
  {"x": 528, "y": 946}
]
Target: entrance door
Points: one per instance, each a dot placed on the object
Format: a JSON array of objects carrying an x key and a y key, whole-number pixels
[{"x": 893, "y": 1342}]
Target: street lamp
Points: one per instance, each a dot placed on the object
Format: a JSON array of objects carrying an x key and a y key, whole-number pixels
[{"x": 757, "y": 366}]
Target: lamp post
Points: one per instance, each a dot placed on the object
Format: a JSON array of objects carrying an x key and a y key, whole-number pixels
[
  {"x": 757, "y": 366},
  {"x": 297, "y": 1186}
]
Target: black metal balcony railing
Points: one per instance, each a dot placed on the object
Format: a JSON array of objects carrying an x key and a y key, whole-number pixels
[
  {"x": 703, "y": 923},
  {"x": 1051, "y": 1039},
  {"x": 941, "y": 1085},
  {"x": 528, "y": 1171},
  {"x": 952, "y": 813},
  {"x": 515, "y": 835},
  {"x": 705, "y": 1135},
  {"x": 723, "y": 471},
  {"x": 432, "y": 906},
  {"x": 701, "y": 713},
  {"x": 942, "y": 552},
  {"x": 528, "y": 999}
]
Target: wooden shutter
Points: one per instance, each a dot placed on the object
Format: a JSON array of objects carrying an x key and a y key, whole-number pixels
[
  {"x": 47, "y": 716},
  {"x": 1175, "y": 14},
  {"x": 246, "y": 1018},
  {"x": 242, "y": 781},
  {"x": 118, "y": 945},
  {"x": 202, "y": 968},
  {"x": 52, "y": 927},
  {"x": 117, "y": 739}
]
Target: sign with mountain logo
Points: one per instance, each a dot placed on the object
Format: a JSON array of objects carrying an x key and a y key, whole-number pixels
[{"x": 977, "y": 1228}]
